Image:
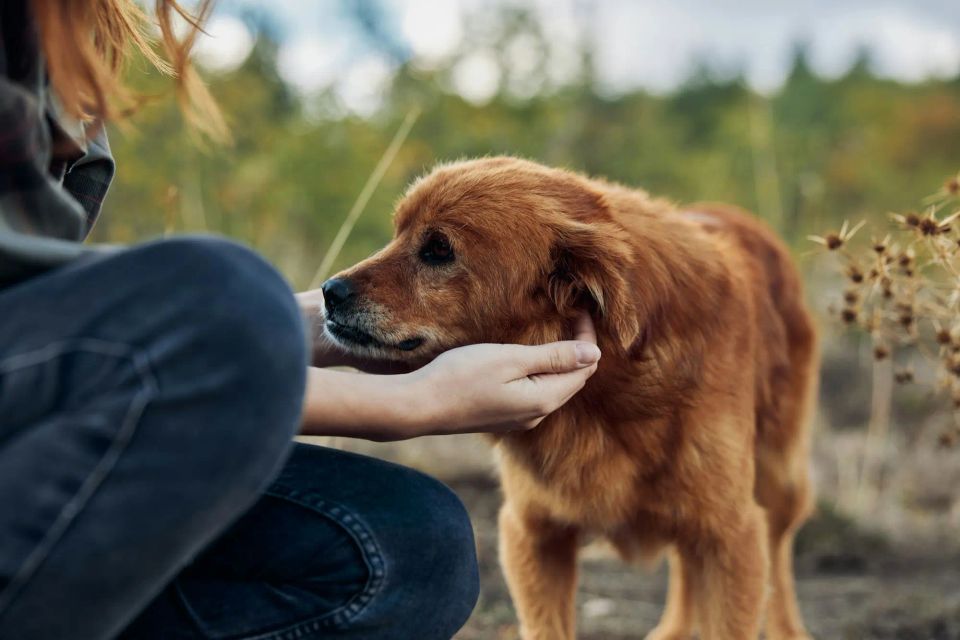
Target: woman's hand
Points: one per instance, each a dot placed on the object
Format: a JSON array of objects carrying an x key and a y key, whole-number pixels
[
  {"x": 501, "y": 387},
  {"x": 478, "y": 388}
]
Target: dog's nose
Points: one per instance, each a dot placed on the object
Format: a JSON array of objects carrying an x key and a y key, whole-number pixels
[{"x": 336, "y": 291}]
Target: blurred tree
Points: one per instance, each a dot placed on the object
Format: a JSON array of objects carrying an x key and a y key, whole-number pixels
[{"x": 819, "y": 150}]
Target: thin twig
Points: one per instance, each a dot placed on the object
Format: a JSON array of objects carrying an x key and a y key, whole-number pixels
[{"x": 361, "y": 202}]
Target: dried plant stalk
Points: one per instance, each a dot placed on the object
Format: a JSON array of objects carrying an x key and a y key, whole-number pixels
[{"x": 903, "y": 289}]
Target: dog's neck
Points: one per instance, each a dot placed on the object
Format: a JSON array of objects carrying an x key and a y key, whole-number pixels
[{"x": 678, "y": 281}]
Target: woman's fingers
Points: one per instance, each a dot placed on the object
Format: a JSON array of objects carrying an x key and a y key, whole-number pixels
[
  {"x": 583, "y": 328},
  {"x": 564, "y": 356},
  {"x": 547, "y": 392},
  {"x": 555, "y": 372}
]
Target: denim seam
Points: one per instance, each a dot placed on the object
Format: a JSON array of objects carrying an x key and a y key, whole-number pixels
[
  {"x": 372, "y": 557},
  {"x": 73, "y": 507}
]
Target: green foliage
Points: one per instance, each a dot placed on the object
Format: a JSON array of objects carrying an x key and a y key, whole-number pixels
[{"x": 816, "y": 153}]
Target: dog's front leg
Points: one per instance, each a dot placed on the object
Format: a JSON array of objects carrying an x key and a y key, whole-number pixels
[
  {"x": 539, "y": 560},
  {"x": 732, "y": 578}
]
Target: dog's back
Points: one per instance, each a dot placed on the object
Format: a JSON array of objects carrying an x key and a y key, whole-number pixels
[{"x": 787, "y": 362}]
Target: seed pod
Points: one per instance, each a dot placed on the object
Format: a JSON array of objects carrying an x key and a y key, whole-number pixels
[
  {"x": 904, "y": 376},
  {"x": 929, "y": 227},
  {"x": 886, "y": 285},
  {"x": 833, "y": 241}
]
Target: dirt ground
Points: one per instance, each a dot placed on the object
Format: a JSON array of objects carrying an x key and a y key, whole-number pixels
[{"x": 852, "y": 586}]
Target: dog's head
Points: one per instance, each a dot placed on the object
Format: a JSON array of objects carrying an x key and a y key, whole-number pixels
[{"x": 491, "y": 250}]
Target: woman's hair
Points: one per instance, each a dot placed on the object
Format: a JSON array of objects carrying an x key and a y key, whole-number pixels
[{"x": 86, "y": 43}]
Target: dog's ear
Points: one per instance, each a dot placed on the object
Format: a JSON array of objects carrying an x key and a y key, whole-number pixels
[{"x": 590, "y": 266}]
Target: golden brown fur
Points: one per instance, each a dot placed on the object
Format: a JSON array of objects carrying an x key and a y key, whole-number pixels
[{"x": 691, "y": 433}]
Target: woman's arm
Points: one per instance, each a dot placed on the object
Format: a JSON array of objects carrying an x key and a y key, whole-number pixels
[{"x": 477, "y": 388}]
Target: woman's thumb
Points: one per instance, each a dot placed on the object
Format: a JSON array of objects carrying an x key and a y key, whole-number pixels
[{"x": 560, "y": 357}]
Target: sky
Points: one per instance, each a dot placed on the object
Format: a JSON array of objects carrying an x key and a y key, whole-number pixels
[{"x": 649, "y": 44}]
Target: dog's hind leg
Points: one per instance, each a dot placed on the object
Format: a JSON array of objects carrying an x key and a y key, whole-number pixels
[
  {"x": 785, "y": 513},
  {"x": 783, "y": 486},
  {"x": 679, "y": 619},
  {"x": 539, "y": 560}
]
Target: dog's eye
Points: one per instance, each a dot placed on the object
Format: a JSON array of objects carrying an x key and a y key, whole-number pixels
[{"x": 436, "y": 250}]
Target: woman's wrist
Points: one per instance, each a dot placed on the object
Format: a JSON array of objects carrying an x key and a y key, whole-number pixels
[
  {"x": 417, "y": 410},
  {"x": 374, "y": 407},
  {"x": 404, "y": 406}
]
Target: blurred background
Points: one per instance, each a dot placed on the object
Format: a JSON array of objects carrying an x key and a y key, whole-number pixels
[{"x": 807, "y": 113}]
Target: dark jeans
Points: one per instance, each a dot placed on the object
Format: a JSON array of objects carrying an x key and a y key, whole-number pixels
[{"x": 148, "y": 485}]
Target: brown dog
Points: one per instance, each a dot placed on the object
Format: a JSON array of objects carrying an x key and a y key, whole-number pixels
[{"x": 690, "y": 434}]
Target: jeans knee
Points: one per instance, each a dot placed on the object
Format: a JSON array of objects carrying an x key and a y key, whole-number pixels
[
  {"x": 414, "y": 534},
  {"x": 236, "y": 352},
  {"x": 444, "y": 550},
  {"x": 460, "y": 587}
]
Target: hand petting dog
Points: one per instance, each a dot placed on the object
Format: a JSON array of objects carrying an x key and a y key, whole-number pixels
[{"x": 492, "y": 388}]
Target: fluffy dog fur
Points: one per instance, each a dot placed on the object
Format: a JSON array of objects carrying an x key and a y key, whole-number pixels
[{"x": 690, "y": 436}]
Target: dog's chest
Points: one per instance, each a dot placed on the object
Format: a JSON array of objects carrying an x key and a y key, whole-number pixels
[{"x": 582, "y": 479}]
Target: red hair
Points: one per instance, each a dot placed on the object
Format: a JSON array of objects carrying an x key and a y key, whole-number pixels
[{"x": 87, "y": 42}]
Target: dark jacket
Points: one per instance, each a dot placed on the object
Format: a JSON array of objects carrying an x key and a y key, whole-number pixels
[{"x": 53, "y": 175}]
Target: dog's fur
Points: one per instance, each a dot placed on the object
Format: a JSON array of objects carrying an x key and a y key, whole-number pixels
[{"x": 691, "y": 433}]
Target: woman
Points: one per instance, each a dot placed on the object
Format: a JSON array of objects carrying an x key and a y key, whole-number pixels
[{"x": 149, "y": 487}]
